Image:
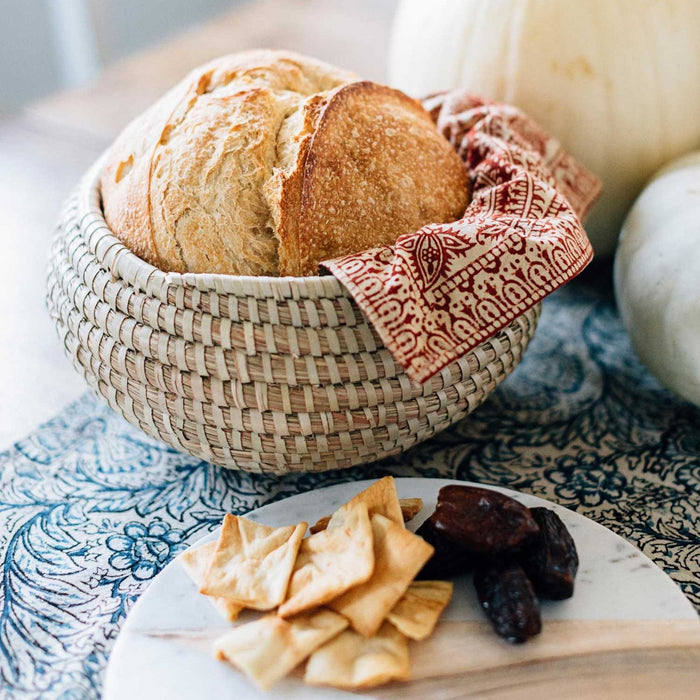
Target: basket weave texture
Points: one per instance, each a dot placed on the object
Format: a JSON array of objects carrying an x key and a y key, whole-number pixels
[{"x": 263, "y": 374}]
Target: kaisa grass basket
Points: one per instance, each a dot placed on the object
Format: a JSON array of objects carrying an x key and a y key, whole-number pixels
[{"x": 264, "y": 374}]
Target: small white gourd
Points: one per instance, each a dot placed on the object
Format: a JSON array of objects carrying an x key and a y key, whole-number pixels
[{"x": 657, "y": 276}]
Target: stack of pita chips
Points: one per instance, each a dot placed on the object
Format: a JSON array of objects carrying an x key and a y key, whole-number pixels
[{"x": 345, "y": 598}]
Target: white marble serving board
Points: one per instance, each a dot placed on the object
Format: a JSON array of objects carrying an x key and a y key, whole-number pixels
[{"x": 164, "y": 648}]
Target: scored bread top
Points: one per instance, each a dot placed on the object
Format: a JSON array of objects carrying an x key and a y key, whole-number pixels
[
  {"x": 267, "y": 163},
  {"x": 183, "y": 184}
]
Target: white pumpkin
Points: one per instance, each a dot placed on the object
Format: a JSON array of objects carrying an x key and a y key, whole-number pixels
[
  {"x": 616, "y": 81},
  {"x": 657, "y": 276}
]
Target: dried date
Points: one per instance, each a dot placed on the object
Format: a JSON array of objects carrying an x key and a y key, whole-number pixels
[
  {"x": 447, "y": 561},
  {"x": 481, "y": 521},
  {"x": 509, "y": 601},
  {"x": 551, "y": 561}
]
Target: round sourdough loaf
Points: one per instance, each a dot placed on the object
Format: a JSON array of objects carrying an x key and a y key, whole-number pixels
[{"x": 267, "y": 163}]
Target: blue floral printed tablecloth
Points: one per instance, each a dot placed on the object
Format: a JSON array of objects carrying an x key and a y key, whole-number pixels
[{"x": 91, "y": 509}]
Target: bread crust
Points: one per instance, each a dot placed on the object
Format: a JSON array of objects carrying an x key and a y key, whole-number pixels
[
  {"x": 183, "y": 185},
  {"x": 373, "y": 167},
  {"x": 285, "y": 190},
  {"x": 126, "y": 177},
  {"x": 267, "y": 163}
]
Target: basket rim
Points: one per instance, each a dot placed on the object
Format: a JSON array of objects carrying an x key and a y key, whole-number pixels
[{"x": 125, "y": 264}]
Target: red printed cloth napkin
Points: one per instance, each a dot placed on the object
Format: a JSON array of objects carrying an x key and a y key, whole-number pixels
[{"x": 440, "y": 292}]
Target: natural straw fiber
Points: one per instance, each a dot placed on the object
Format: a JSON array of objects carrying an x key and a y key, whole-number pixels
[{"x": 262, "y": 374}]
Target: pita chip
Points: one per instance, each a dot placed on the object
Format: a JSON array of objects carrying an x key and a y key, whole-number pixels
[
  {"x": 320, "y": 525},
  {"x": 418, "y": 610},
  {"x": 269, "y": 648},
  {"x": 398, "y": 556},
  {"x": 381, "y": 497},
  {"x": 332, "y": 561},
  {"x": 410, "y": 507},
  {"x": 196, "y": 562},
  {"x": 252, "y": 563},
  {"x": 352, "y": 661}
]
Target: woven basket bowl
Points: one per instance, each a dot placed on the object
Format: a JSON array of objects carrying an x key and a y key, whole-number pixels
[{"x": 263, "y": 374}]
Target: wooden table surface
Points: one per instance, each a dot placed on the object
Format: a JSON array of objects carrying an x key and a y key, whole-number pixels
[{"x": 44, "y": 150}]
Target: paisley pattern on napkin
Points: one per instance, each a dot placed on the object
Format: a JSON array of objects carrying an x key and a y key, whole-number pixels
[
  {"x": 440, "y": 292},
  {"x": 92, "y": 509}
]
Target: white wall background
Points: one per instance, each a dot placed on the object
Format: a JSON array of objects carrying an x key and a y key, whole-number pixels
[{"x": 48, "y": 45}]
